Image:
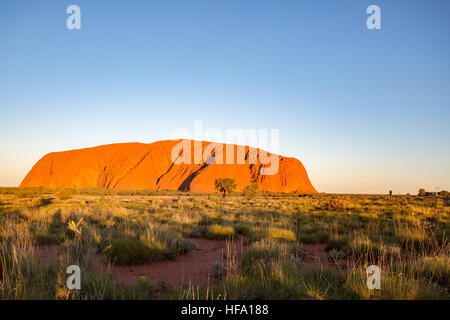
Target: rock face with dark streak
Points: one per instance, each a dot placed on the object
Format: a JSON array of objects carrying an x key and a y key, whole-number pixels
[{"x": 150, "y": 166}]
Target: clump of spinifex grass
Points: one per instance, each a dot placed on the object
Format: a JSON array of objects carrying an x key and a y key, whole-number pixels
[
  {"x": 171, "y": 244},
  {"x": 435, "y": 269},
  {"x": 220, "y": 232},
  {"x": 132, "y": 251},
  {"x": 155, "y": 243},
  {"x": 281, "y": 234}
]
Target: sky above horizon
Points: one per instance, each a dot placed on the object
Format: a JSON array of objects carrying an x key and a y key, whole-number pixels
[{"x": 366, "y": 111}]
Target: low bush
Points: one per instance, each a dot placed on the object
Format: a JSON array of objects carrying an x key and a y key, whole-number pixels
[{"x": 335, "y": 255}]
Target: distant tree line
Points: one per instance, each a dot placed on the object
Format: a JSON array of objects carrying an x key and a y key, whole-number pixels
[
  {"x": 423, "y": 193},
  {"x": 228, "y": 185}
]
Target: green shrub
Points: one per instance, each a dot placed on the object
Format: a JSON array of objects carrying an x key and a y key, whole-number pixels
[{"x": 317, "y": 236}]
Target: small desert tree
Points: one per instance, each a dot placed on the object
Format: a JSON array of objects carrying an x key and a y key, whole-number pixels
[
  {"x": 251, "y": 189},
  {"x": 225, "y": 185},
  {"x": 421, "y": 192}
]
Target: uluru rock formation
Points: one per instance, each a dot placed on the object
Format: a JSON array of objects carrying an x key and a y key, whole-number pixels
[{"x": 149, "y": 166}]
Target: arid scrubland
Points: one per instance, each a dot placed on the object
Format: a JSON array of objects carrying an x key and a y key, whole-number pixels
[{"x": 43, "y": 231}]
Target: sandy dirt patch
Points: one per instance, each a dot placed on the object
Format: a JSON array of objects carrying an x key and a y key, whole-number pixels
[
  {"x": 191, "y": 268},
  {"x": 316, "y": 256}
]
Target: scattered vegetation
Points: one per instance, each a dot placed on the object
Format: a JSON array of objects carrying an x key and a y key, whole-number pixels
[{"x": 407, "y": 236}]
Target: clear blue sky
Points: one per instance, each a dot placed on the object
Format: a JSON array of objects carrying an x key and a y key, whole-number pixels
[{"x": 364, "y": 110}]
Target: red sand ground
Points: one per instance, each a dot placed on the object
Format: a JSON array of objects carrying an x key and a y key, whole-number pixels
[
  {"x": 315, "y": 256},
  {"x": 192, "y": 268},
  {"x": 149, "y": 166}
]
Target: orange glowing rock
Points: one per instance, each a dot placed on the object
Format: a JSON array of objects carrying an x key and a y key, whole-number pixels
[{"x": 149, "y": 166}]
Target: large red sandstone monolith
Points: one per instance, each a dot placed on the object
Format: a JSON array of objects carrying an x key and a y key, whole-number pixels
[{"x": 150, "y": 166}]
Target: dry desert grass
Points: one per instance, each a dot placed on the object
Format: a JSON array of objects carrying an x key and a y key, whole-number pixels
[{"x": 42, "y": 231}]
